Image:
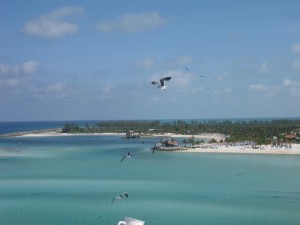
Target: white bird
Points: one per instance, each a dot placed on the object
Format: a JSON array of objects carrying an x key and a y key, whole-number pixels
[
  {"x": 193, "y": 73},
  {"x": 119, "y": 197},
  {"x": 162, "y": 85},
  {"x": 129, "y": 155}
]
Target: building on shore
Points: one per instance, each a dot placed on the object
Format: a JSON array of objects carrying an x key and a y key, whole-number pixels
[{"x": 132, "y": 134}]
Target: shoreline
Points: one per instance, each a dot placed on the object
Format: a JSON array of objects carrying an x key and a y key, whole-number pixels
[
  {"x": 295, "y": 150},
  {"x": 207, "y": 148},
  {"x": 57, "y": 132},
  {"x": 52, "y": 133}
]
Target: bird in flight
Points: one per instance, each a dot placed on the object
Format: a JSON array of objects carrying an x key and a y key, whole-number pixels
[
  {"x": 128, "y": 155},
  {"x": 119, "y": 197},
  {"x": 193, "y": 73},
  {"x": 162, "y": 85}
]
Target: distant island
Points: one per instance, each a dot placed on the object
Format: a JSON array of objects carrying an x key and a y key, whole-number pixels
[{"x": 260, "y": 132}]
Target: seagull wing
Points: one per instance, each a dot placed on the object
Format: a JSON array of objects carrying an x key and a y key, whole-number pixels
[
  {"x": 162, "y": 80},
  {"x": 154, "y": 83},
  {"x": 166, "y": 78},
  {"x": 197, "y": 75},
  {"x": 123, "y": 158},
  {"x": 126, "y": 194},
  {"x": 118, "y": 197}
]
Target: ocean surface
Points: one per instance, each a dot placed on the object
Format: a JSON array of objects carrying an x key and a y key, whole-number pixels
[{"x": 72, "y": 180}]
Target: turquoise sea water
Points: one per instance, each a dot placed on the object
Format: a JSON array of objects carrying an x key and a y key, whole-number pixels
[{"x": 72, "y": 180}]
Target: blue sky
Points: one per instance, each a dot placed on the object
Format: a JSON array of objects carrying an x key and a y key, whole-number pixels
[{"x": 95, "y": 60}]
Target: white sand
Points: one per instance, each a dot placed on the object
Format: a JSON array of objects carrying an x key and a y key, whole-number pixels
[
  {"x": 49, "y": 134},
  {"x": 217, "y": 137},
  {"x": 294, "y": 150}
]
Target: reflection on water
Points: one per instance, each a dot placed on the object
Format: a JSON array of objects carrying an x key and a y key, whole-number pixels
[{"x": 72, "y": 180}]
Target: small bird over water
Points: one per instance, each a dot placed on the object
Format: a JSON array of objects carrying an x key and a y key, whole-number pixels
[
  {"x": 119, "y": 197},
  {"x": 129, "y": 155},
  {"x": 162, "y": 85}
]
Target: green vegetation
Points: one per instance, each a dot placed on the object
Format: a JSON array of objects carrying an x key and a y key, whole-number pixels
[{"x": 258, "y": 131}]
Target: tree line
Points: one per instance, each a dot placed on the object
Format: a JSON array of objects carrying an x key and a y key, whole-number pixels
[{"x": 259, "y": 131}]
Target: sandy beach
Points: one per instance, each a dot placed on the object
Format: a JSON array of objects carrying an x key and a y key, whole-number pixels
[
  {"x": 268, "y": 149},
  {"x": 53, "y": 134},
  {"x": 206, "y": 148},
  {"x": 215, "y": 136}
]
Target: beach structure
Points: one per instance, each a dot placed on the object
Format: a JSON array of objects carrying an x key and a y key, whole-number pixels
[
  {"x": 274, "y": 142},
  {"x": 168, "y": 144},
  {"x": 291, "y": 137},
  {"x": 131, "y": 134}
]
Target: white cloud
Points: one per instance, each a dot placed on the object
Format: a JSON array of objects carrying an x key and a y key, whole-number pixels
[
  {"x": 180, "y": 61},
  {"x": 148, "y": 63},
  {"x": 29, "y": 67},
  {"x": 8, "y": 69},
  {"x": 222, "y": 76},
  {"x": 221, "y": 92},
  {"x": 15, "y": 75},
  {"x": 257, "y": 87},
  {"x": 55, "y": 88},
  {"x": 181, "y": 80},
  {"x": 52, "y": 25},
  {"x": 145, "y": 63},
  {"x": 296, "y": 64},
  {"x": 295, "y": 48},
  {"x": 11, "y": 82},
  {"x": 288, "y": 82},
  {"x": 107, "y": 89},
  {"x": 292, "y": 86},
  {"x": 264, "y": 67},
  {"x": 295, "y": 92},
  {"x": 132, "y": 23}
]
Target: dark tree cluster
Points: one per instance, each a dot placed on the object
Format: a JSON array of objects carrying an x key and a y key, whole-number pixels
[{"x": 259, "y": 131}]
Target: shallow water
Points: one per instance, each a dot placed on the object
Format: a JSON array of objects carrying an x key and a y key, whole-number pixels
[{"x": 73, "y": 179}]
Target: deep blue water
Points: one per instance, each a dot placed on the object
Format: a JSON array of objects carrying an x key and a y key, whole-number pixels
[{"x": 71, "y": 180}]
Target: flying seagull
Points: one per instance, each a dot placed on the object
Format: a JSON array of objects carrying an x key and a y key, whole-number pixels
[
  {"x": 129, "y": 155},
  {"x": 162, "y": 85},
  {"x": 193, "y": 73},
  {"x": 119, "y": 197}
]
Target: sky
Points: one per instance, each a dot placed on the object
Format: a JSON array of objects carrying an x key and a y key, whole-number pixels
[{"x": 95, "y": 60}]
